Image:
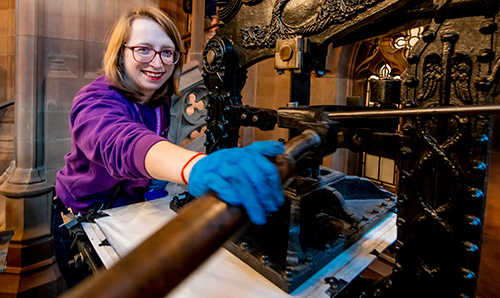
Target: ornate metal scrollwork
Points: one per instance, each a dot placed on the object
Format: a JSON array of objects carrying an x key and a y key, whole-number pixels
[
  {"x": 228, "y": 9},
  {"x": 213, "y": 55},
  {"x": 225, "y": 82},
  {"x": 286, "y": 24},
  {"x": 439, "y": 223}
]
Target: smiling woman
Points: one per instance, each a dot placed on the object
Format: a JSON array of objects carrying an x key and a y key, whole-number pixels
[
  {"x": 119, "y": 149},
  {"x": 152, "y": 30}
]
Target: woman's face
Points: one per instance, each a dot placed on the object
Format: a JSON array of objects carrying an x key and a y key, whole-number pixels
[{"x": 152, "y": 75}]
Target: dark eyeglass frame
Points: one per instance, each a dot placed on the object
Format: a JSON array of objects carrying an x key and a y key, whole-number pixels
[{"x": 155, "y": 53}]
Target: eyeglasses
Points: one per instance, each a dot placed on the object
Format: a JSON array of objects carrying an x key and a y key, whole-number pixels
[{"x": 143, "y": 54}]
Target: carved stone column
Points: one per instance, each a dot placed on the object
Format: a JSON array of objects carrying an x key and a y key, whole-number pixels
[
  {"x": 24, "y": 188},
  {"x": 59, "y": 46},
  {"x": 197, "y": 27}
]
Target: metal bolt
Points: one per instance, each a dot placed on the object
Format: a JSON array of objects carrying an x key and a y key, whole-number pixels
[
  {"x": 483, "y": 84},
  {"x": 243, "y": 116},
  {"x": 398, "y": 267},
  {"x": 479, "y": 166},
  {"x": 407, "y": 127},
  {"x": 428, "y": 36},
  {"x": 286, "y": 52},
  {"x": 483, "y": 139},
  {"x": 398, "y": 245},
  {"x": 409, "y": 104},
  {"x": 449, "y": 37},
  {"x": 488, "y": 27},
  {"x": 472, "y": 220},
  {"x": 340, "y": 137},
  {"x": 470, "y": 247},
  {"x": 413, "y": 58},
  {"x": 357, "y": 140},
  {"x": 411, "y": 82},
  {"x": 255, "y": 118},
  {"x": 476, "y": 193},
  {"x": 405, "y": 150},
  {"x": 485, "y": 56},
  {"x": 468, "y": 274}
]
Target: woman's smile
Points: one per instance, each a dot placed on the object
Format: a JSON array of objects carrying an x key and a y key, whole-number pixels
[{"x": 153, "y": 75}]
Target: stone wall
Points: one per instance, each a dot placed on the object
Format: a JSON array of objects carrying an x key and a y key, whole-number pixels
[
  {"x": 73, "y": 46},
  {"x": 7, "y": 50},
  {"x": 59, "y": 46}
]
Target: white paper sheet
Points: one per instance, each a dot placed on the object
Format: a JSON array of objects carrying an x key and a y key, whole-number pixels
[
  {"x": 224, "y": 275},
  {"x": 128, "y": 226}
]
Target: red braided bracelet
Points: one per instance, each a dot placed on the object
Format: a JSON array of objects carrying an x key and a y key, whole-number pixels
[{"x": 184, "y": 167}]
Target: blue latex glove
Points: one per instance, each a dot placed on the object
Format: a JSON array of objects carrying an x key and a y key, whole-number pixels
[{"x": 242, "y": 176}]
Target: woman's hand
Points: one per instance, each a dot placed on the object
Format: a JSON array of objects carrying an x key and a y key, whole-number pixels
[{"x": 242, "y": 176}]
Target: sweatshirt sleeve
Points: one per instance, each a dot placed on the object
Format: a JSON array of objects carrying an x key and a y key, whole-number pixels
[{"x": 107, "y": 130}]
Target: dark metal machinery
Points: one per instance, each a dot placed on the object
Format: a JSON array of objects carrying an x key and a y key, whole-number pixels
[{"x": 441, "y": 149}]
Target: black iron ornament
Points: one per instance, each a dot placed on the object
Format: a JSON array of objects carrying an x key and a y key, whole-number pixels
[
  {"x": 450, "y": 156},
  {"x": 228, "y": 9},
  {"x": 442, "y": 156},
  {"x": 287, "y": 19}
]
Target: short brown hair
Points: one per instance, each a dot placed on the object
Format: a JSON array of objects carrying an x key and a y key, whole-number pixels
[{"x": 113, "y": 66}]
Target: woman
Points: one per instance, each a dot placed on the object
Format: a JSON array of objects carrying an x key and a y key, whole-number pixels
[{"x": 119, "y": 125}]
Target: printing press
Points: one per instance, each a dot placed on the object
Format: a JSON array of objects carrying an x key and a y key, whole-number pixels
[{"x": 435, "y": 122}]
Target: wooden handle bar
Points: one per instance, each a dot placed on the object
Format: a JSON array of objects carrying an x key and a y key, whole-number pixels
[{"x": 166, "y": 258}]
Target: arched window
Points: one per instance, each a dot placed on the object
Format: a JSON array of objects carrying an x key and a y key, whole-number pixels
[{"x": 377, "y": 58}]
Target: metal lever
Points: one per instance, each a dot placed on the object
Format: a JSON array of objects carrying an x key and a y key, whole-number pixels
[{"x": 417, "y": 112}]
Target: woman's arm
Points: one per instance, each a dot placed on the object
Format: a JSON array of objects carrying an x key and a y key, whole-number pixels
[
  {"x": 165, "y": 161},
  {"x": 240, "y": 176}
]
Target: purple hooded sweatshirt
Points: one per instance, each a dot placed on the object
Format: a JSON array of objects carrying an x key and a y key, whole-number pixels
[{"x": 109, "y": 142}]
